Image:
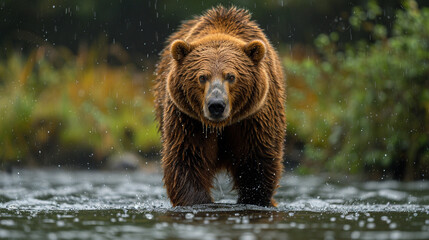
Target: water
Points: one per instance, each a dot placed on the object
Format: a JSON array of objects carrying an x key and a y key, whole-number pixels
[{"x": 53, "y": 204}]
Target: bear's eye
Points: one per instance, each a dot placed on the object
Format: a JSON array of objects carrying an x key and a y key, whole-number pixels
[
  {"x": 230, "y": 78},
  {"x": 202, "y": 78}
]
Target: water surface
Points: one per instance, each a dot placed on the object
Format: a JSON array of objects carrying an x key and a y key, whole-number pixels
[{"x": 59, "y": 204}]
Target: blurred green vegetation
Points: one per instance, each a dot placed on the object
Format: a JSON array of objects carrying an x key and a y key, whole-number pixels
[
  {"x": 75, "y": 80},
  {"x": 365, "y": 109},
  {"x": 57, "y": 107}
]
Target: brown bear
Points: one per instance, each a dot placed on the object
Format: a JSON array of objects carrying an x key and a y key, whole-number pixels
[{"x": 220, "y": 96}]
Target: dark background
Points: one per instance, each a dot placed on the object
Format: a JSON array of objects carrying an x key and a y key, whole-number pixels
[{"x": 142, "y": 26}]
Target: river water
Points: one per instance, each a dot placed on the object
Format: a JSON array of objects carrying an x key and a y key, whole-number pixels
[{"x": 61, "y": 204}]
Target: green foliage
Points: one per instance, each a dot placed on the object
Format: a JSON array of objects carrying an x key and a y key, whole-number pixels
[
  {"x": 370, "y": 107},
  {"x": 53, "y": 103}
]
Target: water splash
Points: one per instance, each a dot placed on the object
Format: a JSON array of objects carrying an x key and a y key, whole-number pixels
[{"x": 86, "y": 204}]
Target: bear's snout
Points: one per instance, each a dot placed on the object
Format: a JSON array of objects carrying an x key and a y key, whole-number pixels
[{"x": 216, "y": 107}]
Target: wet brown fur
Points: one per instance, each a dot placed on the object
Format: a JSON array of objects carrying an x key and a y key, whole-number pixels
[{"x": 249, "y": 143}]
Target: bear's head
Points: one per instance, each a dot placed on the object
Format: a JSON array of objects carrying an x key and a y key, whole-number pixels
[{"x": 218, "y": 79}]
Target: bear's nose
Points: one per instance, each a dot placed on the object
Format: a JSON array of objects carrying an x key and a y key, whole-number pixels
[{"x": 216, "y": 107}]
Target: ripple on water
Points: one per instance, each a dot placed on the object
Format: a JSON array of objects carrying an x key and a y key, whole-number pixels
[
  {"x": 81, "y": 190},
  {"x": 134, "y": 205}
]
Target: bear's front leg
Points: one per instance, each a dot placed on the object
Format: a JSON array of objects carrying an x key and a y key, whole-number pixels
[
  {"x": 187, "y": 160},
  {"x": 256, "y": 180},
  {"x": 186, "y": 183}
]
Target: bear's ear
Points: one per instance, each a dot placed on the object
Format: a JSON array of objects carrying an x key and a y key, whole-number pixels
[
  {"x": 179, "y": 49},
  {"x": 255, "y": 50}
]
